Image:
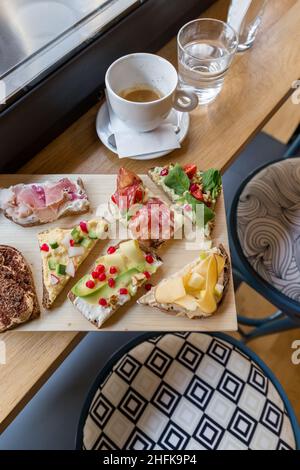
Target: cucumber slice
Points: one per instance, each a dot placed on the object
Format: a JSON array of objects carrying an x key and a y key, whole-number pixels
[
  {"x": 53, "y": 245},
  {"x": 52, "y": 264},
  {"x": 86, "y": 243},
  {"x": 61, "y": 269},
  {"x": 76, "y": 234}
]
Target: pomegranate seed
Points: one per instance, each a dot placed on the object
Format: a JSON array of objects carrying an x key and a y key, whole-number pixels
[
  {"x": 113, "y": 199},
  {"x": 111, "y": 282},
  {"x": 100, "y": 268},
  {"x": 44, "y": 247},
  {"x": 113, "y": 270},
  {"x": 123, "y": 291},
  {"x": 111, "y": 250},
  {"x": 90, "y": 284},
  {"x": 84, "y": 227},
  {"x": 193, "y": 187},
  {"x": 149, "y": 259},
  {"x": 95, "y": 275},
  {"x": 147, "y": 275},
  {"x": 103, "y": 302},
  {"x": 148, "y": 287},
  {"x": 102, "y": 277},
  {"x": 72, "y": 242},
  {"x": 164, "y": 172}
]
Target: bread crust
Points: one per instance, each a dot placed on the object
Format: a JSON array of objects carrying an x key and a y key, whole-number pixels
[
  {"x": 177, "y": 310},
  {"x": 30, "y": 287},
  {"x": 69, "y": 212}
]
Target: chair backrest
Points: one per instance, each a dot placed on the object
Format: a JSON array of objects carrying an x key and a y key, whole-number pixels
[{"x": 286, "y": 303}]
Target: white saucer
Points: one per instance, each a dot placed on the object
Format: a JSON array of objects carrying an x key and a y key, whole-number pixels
[{"x": 104, "y": 131}]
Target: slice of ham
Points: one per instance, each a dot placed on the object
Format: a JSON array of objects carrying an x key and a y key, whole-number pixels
[
  {"x": 40, "y": 202},
  {"x": 154, "y": 221},
  {"x": 55, "y": 193}
]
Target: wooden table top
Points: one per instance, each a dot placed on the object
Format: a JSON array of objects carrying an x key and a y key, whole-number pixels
[{"x": 257, "y": 84}]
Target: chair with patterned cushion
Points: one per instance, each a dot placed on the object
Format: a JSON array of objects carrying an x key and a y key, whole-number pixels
[
  {"x": 186, "y": 391},
  {"x": 265, "y": 242}
]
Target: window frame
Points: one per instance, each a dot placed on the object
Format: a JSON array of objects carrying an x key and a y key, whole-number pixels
[{"x": 45, "y": 110}]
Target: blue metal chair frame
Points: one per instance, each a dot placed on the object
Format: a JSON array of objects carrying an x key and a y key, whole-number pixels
[
  {"x": 288, "y": 315},
  {"x": 104, "y": 373}
]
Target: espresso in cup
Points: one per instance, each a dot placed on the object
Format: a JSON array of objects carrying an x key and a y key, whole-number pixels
[
  {"x": 142, "y": 89},
  {"x": 141, "y": 94}
]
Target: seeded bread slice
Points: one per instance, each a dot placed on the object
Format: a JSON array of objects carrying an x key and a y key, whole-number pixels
[
  {"x": 102, "y": 314},
  {"x": 18, "y": 300},
  {"x": 176, "y": 310}
]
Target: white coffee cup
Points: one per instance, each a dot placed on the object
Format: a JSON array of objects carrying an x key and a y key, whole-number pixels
[{"x": 135, "y": 70}]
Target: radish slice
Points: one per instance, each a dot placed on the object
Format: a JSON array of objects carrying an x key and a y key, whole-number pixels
[
  {"x": 70, "y": 269},
  {"x": 54, "y": 279},
  {"x": 66, "y": 240},
  {"x": 75, "y": 251}
]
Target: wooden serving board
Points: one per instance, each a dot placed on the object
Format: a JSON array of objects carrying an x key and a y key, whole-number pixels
[{"x": 130, "y": 317}]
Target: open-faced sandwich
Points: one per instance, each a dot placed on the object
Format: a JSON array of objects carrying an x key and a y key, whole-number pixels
[
  {"x": 18, "y": 300},
  {"x": 196, "y": 290},
  {"x": 194, "y": 191},
  {"x": 35, "y": 204},
  {"x": 114, "y": 280},
  {"x": 148, "y": 218},
  {"x": 63, "y": 251}
]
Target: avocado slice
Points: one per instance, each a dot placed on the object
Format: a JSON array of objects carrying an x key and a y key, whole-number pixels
[
  {"x": 52, "y": 264},
  {"x": 92, "y": 296}
]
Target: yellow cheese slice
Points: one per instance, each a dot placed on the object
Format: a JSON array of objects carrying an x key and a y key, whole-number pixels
[
  {"x": 169, "y": 290},
  {"x": 196, "y": 281},
  {"x": 188, "y": 302},
  {"x": 132, "y": 252},
  {"x": 207, "y": 302}
]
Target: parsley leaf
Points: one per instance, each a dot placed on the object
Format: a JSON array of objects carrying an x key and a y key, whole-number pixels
[
  {"x": 177, "y": 180},
  {"x": 207, "y": 213},
  {"x": 212, "y": 181}
]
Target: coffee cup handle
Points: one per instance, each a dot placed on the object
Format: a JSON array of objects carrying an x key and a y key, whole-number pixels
[{"x": 185, "y": 100}]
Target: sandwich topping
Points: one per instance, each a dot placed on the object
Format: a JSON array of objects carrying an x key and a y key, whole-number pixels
[
  {"x": 114, "y": 280},
  {"x": 63, "y": 250},
  {"x": 30, "y": 204},
  {"x": 190, "y": 189},
  {"x": 196, "y": 290}
]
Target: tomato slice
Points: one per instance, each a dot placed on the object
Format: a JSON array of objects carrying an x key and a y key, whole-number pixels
[
  {"x": 190, "y": 170},
  {"x": 196, "y": 192}
]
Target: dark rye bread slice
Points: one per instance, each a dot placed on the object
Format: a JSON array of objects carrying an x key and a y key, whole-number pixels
[
  {"x": 176, "y": 310},
  {"x": 64, "y": 214},
  {"x": 18, "y": 300}
]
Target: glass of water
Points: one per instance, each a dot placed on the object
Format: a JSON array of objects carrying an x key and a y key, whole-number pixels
[{"x": 206, "y": 48}]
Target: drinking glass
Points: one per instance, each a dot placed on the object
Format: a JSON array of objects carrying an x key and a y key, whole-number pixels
[
  {"x": 247, "y": 26},
  {"x": 206, "y": 48}
]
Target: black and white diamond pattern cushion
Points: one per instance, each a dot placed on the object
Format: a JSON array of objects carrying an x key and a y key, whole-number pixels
[{"x": 192, "y": 391}]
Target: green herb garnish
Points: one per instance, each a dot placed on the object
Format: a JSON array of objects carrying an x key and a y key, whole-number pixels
[
  {"x": 177, "y": 180},
  {"x": 212, "y": 181},
  {"x": 207, "y": 213}
]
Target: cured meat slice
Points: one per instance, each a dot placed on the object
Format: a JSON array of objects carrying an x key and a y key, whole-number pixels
[{"x": 35, "y": 204}]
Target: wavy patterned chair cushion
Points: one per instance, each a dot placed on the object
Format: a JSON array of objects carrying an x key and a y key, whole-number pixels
[
  {"x": 269, "y": 225},
  {"x": 187, "y": 391}
]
